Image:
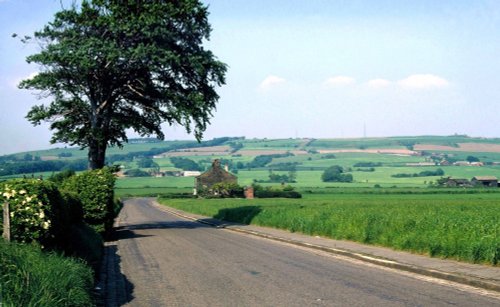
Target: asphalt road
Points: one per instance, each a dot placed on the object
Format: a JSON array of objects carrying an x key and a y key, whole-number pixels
[{"x": 168, "y": 261}]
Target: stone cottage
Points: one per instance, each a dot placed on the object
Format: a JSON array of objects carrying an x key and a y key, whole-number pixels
[{"x": 214, "y": 175}]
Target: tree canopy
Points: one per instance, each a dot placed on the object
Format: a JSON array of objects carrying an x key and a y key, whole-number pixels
[
  {"x": 110, "y": 65},
  {"x": 335, "y": 173}
]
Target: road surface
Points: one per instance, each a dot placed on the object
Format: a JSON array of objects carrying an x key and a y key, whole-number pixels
[{"x": 168, "y": 261}]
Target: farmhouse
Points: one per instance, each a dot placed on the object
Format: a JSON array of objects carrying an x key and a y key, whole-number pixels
[
  {"x": 214, "y": 175},
  {"x": 485, "y": 181}
]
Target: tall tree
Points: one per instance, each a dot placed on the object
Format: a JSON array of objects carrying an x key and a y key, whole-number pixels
[{"x": 111, "y": 65}]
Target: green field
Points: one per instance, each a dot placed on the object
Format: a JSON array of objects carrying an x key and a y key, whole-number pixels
[
  {"x": 465, "y": 227},
  {"x": 405, "y": 213}
]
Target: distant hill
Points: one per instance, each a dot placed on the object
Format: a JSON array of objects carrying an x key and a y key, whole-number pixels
[{"x": 54, "y": 160}]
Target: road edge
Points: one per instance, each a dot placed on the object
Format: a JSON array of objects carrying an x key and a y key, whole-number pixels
[{"x": 462, "y": 279}]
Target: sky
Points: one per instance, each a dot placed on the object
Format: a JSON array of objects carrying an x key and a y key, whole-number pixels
[{"x": 316, "y": 69}]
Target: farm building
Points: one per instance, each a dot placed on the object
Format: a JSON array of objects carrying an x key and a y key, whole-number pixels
[
  {"x": 421, "y": 164},
  {"x": 485, "y": 181},
  {"x": 458, "y": 182},
  {"x": 214, "y": 175},
  {"x": 191, "y": 173}
]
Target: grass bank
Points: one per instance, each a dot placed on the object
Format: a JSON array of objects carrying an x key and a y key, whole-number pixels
[
  {"x": 31, "y": 277},
  {"x": 463, "y": 227}
]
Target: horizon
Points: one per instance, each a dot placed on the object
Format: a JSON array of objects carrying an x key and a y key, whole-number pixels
[
  {"x": 318, "y": 69},
  {"x": 62, "y": 146}
]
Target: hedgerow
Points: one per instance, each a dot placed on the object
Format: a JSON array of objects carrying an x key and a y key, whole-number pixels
[
  {"x": 95, "y": 189},
  {"x": 37, "y": 211}
]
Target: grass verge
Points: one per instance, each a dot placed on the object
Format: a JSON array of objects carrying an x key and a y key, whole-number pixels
[
  {"x": 465, "y": 227},
  {"x": 31, "y": 277}
]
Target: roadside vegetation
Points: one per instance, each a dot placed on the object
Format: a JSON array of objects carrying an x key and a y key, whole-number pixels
[
  {"x": 30, "y": 276},
  {"x": 57, "y": 230},
  {"x": 438, "y": 225}
]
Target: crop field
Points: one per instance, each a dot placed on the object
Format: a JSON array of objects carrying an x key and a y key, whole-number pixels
[
  {"x": 464, "y": 227},
  {"x": 378, "y": 207}
]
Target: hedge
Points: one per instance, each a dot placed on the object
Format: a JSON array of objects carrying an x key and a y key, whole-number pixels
[
  {"x": 38, "y": 211},
  {"x": 95, "y": 189}
]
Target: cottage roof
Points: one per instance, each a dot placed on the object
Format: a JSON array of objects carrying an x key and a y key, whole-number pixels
[
  {"x": 214, "y": 175},
  {"x": 485, "y": 178}
]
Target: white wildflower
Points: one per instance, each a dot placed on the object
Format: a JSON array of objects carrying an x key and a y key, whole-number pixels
[
  {"x": 45, "y": 225},
  {"x": 22, "y": 192}
]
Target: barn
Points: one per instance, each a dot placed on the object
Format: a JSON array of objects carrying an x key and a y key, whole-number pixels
[{"x": 485, "y": 181}]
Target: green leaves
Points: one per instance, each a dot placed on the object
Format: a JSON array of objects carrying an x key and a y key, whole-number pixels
[{"x": 110, "y": 66}]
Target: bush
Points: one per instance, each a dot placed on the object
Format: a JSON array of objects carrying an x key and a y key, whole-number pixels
[
  {"x": 96, "y": 192},
  {"x": 275, "y": 192},
  {"x": 370, "y": 169},
  {"x": 37, "y": 210},
  {"x": 224, "y": 190},
  {"x": 367, "y": 164},
  {"x": 30, "y": 277},
  {"x": 136, "y": 173},
  {"x": 438, "y": 172},
  {"x": 185, "y": 164},
  {"x": 61, "y": 176},
  {"x": 335, "y": 174},
  {"x": 41, "y": 213}
]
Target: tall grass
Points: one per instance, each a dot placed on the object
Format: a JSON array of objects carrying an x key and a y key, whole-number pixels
[
  {"x": 465, "y": 228},
  {"x": 31, "y": 277}
]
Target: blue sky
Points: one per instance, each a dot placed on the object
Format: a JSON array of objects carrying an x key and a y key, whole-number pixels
[{"x": 315, "y": 69}]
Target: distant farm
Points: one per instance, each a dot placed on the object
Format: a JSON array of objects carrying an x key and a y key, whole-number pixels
[{"x": 405, "y": 162}]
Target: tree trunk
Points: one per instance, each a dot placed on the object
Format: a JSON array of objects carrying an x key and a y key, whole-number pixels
[{"x": 97, "y": 154}]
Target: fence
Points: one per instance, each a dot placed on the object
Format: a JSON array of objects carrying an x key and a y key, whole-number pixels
[{"x": 6, "y": 222}]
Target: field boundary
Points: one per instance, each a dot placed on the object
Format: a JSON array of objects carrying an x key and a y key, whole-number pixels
[{"x": 469, "y": 280}]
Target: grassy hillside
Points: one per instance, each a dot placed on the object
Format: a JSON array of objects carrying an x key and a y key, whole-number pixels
[{"x": 306, "y": 158}]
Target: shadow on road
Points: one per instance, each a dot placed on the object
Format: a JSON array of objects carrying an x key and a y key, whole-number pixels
[
  {"x": 117, "y": 289},
  {"x": 242, "y": 215},
  {"x": 127, "y": 231}
]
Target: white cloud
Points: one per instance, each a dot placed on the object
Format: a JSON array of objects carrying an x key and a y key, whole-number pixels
[
  {"x": 271, "y": 81},
  {"x": 339, "y": 81},
  {"x": 379, "y": 83},
  {"x": 423, "y": 81}
]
